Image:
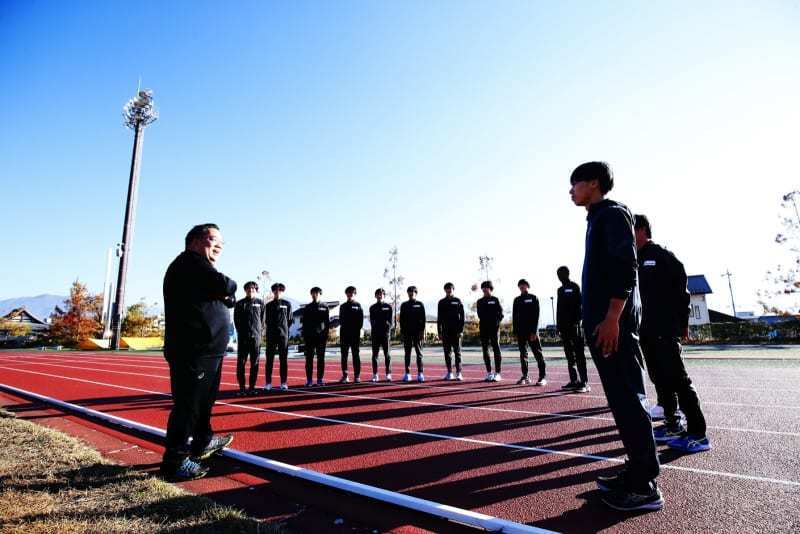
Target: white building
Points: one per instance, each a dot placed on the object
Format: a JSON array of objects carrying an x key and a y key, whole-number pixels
[{"x": 698, "y": 289}]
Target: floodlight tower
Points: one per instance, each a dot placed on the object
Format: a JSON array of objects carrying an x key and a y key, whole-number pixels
[{"x": 137, "y": 114}]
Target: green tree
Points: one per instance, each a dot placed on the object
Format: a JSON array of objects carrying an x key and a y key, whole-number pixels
[
  {"x": 138, "y": 323},
  {"x": 79, "y": 321}
]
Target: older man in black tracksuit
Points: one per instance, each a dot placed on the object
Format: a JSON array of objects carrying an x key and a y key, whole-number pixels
[
  {"x": 490, "y": 313},
  {"x": 316, "y": 325},
  {"x": 412, "y": 328},
  {"x": 568, "y": 325},
  {"x": 450, "y": 322},
  {"x": 611, "y": 311},
  {"x": 351, "y": 321},
  {"x": 525, "y": 322},
  {"x": 279, "y": 319},
  {"x": 196, "y": 333},
  {"x": 248, "y": 317},
  {"x": 381, "y": 320},
  {"x": 665, "y": 320}
]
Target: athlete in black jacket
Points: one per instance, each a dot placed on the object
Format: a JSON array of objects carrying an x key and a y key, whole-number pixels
[
  {"x": 568, "y": 325},
  {"x": 279, "y": 319},
  {"x": 611, "y": 318},
  {"x": 665, "y": 321},
  {"x": 196, "y": 333},
  {"x": 490, "y": 313},
  {"x": 450, "y": 322},
  {"x": 316, "y": 324},
  {"x": 351, "y": 321},
  {"x": 412, "y": 328},
  {"x": 381, "y": 321},
  {"x": 525, "y": 323},
  {"x": 248, "y": 317}
]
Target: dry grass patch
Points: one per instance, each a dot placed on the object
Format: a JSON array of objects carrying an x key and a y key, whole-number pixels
[{"x": 51, "y": 482}]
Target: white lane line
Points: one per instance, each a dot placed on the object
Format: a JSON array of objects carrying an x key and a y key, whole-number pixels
[
  {"x": 554, "y": 415},
  {"x": 435, "y": 435},
  {"x": 489, "y": 390},
  {"x": 460, "y": 515}
]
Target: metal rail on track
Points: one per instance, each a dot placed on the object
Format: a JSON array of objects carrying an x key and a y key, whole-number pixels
[{"x": 451, "y": 513}]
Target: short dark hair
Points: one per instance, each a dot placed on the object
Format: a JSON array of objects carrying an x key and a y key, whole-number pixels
[
  {"x": 562, "y": 270},
  {"x": 594, "y": 170},
  {"x": 449, "y": 285},
  {"x": 250, "y": 284},
  {"x": 411, "y": 288},
  {"x": 277, "y": 286},
  {"x": 315, "y": 289},
  {"x": 349, "y": 289},
  {"x": 642, "y": 222},
  {"x": 523, "y": 281},
  {"x": 379, "y": 291},
  {"x": 198, "y": 231},
  {"x": 487, "y": 284}
]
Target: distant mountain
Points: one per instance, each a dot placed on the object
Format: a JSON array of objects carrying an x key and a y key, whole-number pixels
[{"x": 41, "y": 305}]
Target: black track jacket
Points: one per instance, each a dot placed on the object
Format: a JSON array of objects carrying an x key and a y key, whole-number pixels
[
  {"x": 525, "y": 315},
  {"x": 248, "y": 317},
  {"x": 490, "y": 313},
  {"x": 196, "y": 302},
  {"x": 450, "y": 316},
  {"x": 412, "y": 318},
  {"x": 662, "y": 285},
  {"x": 351, "y": 320},
  {"x": 279, "y": 318},
  {"x": 568, "y": 307},
  {"x": 316, "y": 320},
  {"x": 381, "y": 319}
]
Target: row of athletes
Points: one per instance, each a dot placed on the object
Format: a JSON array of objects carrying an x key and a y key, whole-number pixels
[{"x": 252, "y": 316}]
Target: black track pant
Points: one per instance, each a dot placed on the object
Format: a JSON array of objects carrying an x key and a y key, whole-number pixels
[
  {"x": 673, "y": 385},
  {"x": 523, "y": 342},
  {"x": 490, "y": 338},
  {"x": 622, "y": 376},
  {"x": 452, "y": 344},
  {"x": 378, "y": 343},
  {"x": 574, "y": 351},
  {"x": 351, "y": 345},
  {"x": 315, "y": 346},
  {"x": 248, "y": 350},
  {"x": 279, "y": 345},
  {"x": 413, "y": 341},
  {"x": 194, "y": 386}
]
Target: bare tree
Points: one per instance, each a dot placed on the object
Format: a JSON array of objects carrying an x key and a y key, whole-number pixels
[
  {"x": 783, "y": 282},
  {"x": 264, "y": 282},
  {"x": 395, "y": 281}
]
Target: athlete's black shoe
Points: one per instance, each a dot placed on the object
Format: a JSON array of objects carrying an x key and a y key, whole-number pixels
[
  {"x": 216, "y": 444},
  {"x": 632, "y": 501}
]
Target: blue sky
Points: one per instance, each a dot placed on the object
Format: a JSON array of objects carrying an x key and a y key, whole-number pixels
[{"x": 320, "y": 134}]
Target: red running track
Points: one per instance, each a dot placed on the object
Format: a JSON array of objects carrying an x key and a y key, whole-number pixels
[{"x": 522, "y": 453}]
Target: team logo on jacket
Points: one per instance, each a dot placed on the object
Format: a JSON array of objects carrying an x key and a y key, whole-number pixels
[
  {"x": 649, "y": 263},
  {"x": 528, "y": 301},
  {"x": 567, "y": 291},
  {"x": 283, "y": 307},
  {"x": 417, "y": 306}
]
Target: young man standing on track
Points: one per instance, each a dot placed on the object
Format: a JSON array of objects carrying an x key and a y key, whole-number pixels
[
  {"x": 316, "y": 324},
  {"x": 611, "y": 311},
  {"x": 248, "y": 317},
  {"x": 490, "y": 313},
  {"x": 412, "y": 328},
  {"x": 381, "y": 321},
  {"x": 450, "y": 322},
  {"x": 279, "y": 319},
  {"x": 351, "y": 321},
  {"x": 665, "y": 321},
  {"x": 196, "y": 302},
  {"x": 525, "y": 323},
  {"x": 568, "y": 325}
]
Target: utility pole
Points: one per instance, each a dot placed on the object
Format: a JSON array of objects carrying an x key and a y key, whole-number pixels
[
  {"x": 138, "y": 113},
  {"x": 553, "y": 310},
  {"x": 730, "y": 288}
]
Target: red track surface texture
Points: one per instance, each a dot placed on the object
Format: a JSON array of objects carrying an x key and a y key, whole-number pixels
[{"x": 518, "y": 452}]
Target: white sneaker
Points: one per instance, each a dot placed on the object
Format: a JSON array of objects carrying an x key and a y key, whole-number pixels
[
  {"x": 496, "y": 377},
  {"x": 406, "y": 377},
  {"x": 375, "y": 377},
  {"x": 357, "y": 380},
  {"x": 268, "y": 387},
  {"x": 448, "y": 376},
  {"x": 344, "y": 380},
  {"x": 420, "y": 377},
  {"x": 459, "y": 377},
  {"x": 489, "y": 377},
  {"x": 388, "y": 377},
  {"x": 541, "y": 382},
  {"x": 284, "y": 387}
]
